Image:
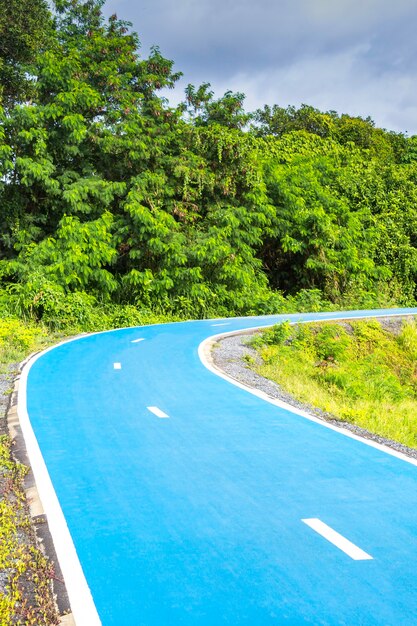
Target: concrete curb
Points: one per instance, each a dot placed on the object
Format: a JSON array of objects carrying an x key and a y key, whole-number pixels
[{"x": 37, "y": 513}]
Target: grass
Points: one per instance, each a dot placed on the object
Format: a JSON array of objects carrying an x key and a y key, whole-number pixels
[
  {"x": 358, "y": 372},
  {"x": 16, "y": 340}
]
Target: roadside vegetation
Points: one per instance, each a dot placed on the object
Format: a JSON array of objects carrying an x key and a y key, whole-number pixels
[
  {"x": 26, "y": 597},
  {"x": 26, "y": 574},
  {"x": 110, "y": 197},
  {"x": 359, "y": 372}
]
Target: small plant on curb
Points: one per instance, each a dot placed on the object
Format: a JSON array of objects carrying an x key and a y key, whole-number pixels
[{"x": 249, "y": 360}]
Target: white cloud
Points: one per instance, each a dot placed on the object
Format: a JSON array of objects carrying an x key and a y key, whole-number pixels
[
  {"x": 339, "y": 82},
  {"x": 353, "y": 56}
]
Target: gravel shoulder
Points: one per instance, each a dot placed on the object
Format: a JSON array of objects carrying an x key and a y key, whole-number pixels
[{"x": 231, "y": 353}]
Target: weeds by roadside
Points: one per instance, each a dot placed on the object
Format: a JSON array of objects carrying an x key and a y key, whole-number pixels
[
  {"x": 26, "y": 597},
  {"x": 359, "y": 372}
]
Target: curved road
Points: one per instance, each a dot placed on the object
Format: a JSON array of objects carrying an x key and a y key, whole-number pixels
[{"x": 191, "y": 502}]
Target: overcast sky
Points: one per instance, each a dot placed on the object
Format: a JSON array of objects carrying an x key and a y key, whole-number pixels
[{"x": 352, "y": 56}]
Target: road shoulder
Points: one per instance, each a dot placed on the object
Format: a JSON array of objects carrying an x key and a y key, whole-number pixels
[{"x": 230, "y": 354}]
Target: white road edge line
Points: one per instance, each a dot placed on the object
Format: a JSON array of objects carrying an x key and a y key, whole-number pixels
[
  {"x": 117, "y": 366},
  {"x": 337, "y": 540},
  {"x": 137, "y": 340},
  {"x": 206, "y": 361},
  {"x": 82, "y": 604},
  {"x": 156, "y": 411}
]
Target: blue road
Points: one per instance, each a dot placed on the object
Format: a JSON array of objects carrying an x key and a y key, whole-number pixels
[{"x": 196, "y": 519}]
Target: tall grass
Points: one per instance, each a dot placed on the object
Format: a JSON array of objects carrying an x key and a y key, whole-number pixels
[{"x": 358, "y": 372}]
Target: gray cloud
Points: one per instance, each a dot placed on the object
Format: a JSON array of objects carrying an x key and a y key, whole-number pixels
[{"x": 355, "y": 56}]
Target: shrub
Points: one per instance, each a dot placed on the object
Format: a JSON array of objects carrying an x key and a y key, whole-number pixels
[
  {"x": 17, "y": 339},
  {"x": 407, "y": 339}
]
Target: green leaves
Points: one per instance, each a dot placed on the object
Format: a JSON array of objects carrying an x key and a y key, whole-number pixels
[
  {"x": 106, "y": 189},
  {"x": 331, "y": 209},
  {"x": 75, "y": 258},
  {"x": 25, "y": 29}
]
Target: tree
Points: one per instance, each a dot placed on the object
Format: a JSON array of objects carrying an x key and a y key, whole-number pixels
[
  {"x": 106, "y": 189},
  {"x": 95, "y": 123},
  {"x": 278, "y": 121},
  {"x": 203, "y": 109},
  {"x": 176, "y": 207},
  {"x": 25, "y": 29},
  {"x": 319, "y": 238}
]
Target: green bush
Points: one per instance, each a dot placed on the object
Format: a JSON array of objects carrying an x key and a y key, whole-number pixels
[
  {"x": 407, "y": 339},
  {"x": 122, "y": 316},
  {"x": 331, "y": 342},
  {"x": 14, "y": 333},
  {"x": 18, "y": 339}
]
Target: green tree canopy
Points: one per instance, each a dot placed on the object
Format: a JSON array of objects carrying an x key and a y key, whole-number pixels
[
  {"x": 25, "y": 30},
  {"x": 106, "y": 191}
]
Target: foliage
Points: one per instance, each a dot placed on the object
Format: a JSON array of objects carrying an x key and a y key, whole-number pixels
[
  {"x": 110, "y": 197},
  {"x": 23, "y": 565},
  {"x": 344, "y": 129},
  {"x": 357, "y": 371},
  {"x": 276, "y": 335},
  {"x": 17, "y": 339},
  {"x": 205, "y": 110},
  {"x": 342, "y": 222},
  {"x": 25, "y": 29}
]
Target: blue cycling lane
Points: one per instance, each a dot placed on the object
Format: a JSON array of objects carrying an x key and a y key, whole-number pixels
[{"x": 185, "y": 495}]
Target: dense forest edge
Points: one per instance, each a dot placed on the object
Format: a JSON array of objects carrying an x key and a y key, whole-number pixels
[{"x": 118, "y": 209}]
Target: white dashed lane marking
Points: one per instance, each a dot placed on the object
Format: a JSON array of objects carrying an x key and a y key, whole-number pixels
[
  {"x": 156, "y": 411},
  {"x": 137, "y": 340},
  {"x": 117, "y": 366},
  {"x": 337, "y": 540}
]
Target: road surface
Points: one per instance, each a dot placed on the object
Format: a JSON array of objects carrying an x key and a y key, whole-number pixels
[{"x": 191, "y": 502}]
